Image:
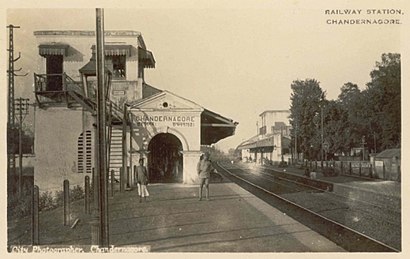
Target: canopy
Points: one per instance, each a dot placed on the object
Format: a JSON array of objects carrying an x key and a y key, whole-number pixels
[
  {"x": 146, "y": 57},
  {"x": 53, "y": 49},
  {"x": 215, "y": 127},
  {"x": 116, "y": 50}
]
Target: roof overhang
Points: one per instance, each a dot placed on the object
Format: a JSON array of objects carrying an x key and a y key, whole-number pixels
[
  {"x": 53, "y": 49},
  {"x": 247, "y": 145},
  {"x": 390, "y": 153},
  {"x": 215, "y": 127},
  {"x": 116, "y": 50},
  {"x": 266, "y": 143},
  {"x": 146, "y": 58},
  {"x": 90, "y": 69}
]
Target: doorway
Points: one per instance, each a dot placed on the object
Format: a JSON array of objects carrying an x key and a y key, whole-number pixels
[
  {"x": 54, "y": 71},
  {"x": 165, "y": 161}
]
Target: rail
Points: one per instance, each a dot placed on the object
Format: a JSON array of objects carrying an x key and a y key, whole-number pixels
[
  {"x": 55, "y": 88},
  {"x": 346, "y": 237},
  {"x": 61, "y": 88}
]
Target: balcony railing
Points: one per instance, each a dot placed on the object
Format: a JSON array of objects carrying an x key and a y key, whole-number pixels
[
  {"x": 262, "y": 130},
  {"x": 60, "y": 89},
  {"x": 56, "y": 88}
]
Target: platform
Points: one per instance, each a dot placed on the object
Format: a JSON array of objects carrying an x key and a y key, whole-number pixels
[{"x": 173, "y": 220}]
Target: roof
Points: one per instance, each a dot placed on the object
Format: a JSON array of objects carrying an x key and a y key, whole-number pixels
[
  {"x": 90, "y": 69},
  {"x": 146, "y": 58},
  {"x": 76, "y": 33},
  {"x": 115, "y": 49},
  {"x": 263, "y": 141},
  {"x": 258, "y": 141},
  {"x": 214, "y": 126},
  {"x": 53, "y": 49},
  {"x": 275, "y": 111},
  {"x": 390, "y": 153},
  {"x": 87, "y": 33},
  {"x": 148, "y": 90},
  {"x": 161, "y": 93},
  {"x": 249, "y": 143}
]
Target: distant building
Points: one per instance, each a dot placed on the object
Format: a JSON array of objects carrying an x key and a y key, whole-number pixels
[
  {"x": 386, "y": 164},
  {"x": 165, "y": 129},
  {"x": 272, "y": 142}
]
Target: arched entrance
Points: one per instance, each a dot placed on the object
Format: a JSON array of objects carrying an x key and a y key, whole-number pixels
[{"x": 165, "y": 161}]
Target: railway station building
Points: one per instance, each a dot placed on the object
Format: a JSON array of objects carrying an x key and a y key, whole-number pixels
[
  {"x": 271, "y": 144},
  {"x": 143, "y": 121}
]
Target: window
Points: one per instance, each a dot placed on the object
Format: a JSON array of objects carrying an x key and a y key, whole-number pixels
[
  {"x": 262, "y": 130},
  {"x": 84, "y": 153},
  {"x": 117, "y": 64},
  {"x": 54, "y": 70},
  {"x": 54, "y": 54},
  {"x": 115, "y": 59}
]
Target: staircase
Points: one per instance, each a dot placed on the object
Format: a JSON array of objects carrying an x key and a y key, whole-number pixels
[
  {"x": 114, "y": 117},
  {"x": 116, "y": 152},
  {"x": 73, "y": 93}
]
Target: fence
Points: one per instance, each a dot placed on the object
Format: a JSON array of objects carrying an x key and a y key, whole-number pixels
[
  {"x": 67, "y": 196},
  {"x": 352, "y": 168},
  {"x": 376, "y": 170}
]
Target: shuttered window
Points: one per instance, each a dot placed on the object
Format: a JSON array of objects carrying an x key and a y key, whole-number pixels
[{"x": 84, "y": 153}]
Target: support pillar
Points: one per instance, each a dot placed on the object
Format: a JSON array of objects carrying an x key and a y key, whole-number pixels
[
  {"x": 66, "y": 191},
  {"x": 190, "y": 162},
  {"x": 35, "y": 216}
]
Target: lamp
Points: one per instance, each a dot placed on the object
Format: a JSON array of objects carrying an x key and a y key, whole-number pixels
[{"x": 89, "y": 78}]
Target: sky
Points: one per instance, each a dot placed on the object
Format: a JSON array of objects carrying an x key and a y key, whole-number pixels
[{"x": 236, "y": 58}]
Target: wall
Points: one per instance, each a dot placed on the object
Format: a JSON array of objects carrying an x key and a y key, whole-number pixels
[
  {"x": 245, "y": 154},
  {"x": 126, "y": 91},
  {"x": 189, "y": 135},
  {"x": 56, "y": 136},
  {"x": 79, "y": 53},
  {"x": 270, "y": 117},
  {"x": 190, "y": 160}
]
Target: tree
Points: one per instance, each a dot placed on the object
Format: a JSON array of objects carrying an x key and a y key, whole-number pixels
[
  {"x": 348, "y": 94},
  {"x": 354, "y": 107},
  {"x": 335, "y": 128},
  {"x": 27, "y": 140},
  {"x": 305, "y": 115},
  {"x": 383, "y": 95},
  {"x": 374, "y": 113}
]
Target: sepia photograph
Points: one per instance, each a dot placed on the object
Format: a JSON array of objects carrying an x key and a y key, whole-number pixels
[{"x": 234, "y": 127}]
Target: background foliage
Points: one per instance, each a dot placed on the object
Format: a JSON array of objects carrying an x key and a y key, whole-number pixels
[{"x": 372, "y": 115}]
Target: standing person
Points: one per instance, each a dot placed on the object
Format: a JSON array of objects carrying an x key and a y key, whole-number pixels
[
  {"x": 204, "y": 169},
  {"x": 142, "y": 180}
]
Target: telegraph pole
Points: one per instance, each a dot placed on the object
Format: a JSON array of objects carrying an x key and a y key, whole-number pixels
[
  {"x": 363, "y": 143},
  {"x": 11, "y": 159},
  {"x": 11, "y": 75},
  {"x": 281, "y": 143},
  {"x": 321, "y": 134},
  {"x": 11, "y": 123},
  {"x": 21, "y": 105},
  {"x": 101, "y": 132},
  {"x": 321, "y": 104},
  {"x": 296, "y": 141}
]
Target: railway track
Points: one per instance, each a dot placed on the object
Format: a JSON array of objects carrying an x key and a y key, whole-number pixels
[
  {"x": 274, "y": 191},
  {"x": 362, "y": 206}
]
